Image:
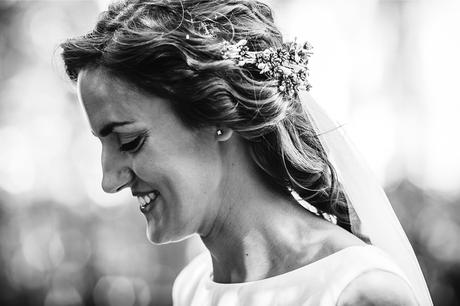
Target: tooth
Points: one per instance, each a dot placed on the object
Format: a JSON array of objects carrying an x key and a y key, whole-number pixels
[
  {"x": 147, "y": 199},
  {"x": 141, "y": 200},
  {"x": 152, "y": 195}
]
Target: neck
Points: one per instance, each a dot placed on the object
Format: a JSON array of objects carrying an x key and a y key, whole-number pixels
[{"x": 259, "y": 233}]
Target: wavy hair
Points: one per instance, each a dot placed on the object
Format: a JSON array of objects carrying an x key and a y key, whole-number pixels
[{"x": 173, "y": 49}]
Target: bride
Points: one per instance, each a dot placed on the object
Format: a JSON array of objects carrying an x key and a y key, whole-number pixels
[{"x": 204, "y": 113}]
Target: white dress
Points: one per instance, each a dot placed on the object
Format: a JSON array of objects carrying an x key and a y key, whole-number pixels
[{"x": 317, "y": 284}]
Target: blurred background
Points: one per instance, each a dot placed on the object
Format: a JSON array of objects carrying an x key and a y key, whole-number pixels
[{"x": 388, "y": 69}]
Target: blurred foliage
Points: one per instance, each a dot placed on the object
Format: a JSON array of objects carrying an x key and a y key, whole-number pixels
[{"x": 63, "y": 242}]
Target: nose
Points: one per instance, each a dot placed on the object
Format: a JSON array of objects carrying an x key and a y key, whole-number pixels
[{"x": 116, "y": 174}]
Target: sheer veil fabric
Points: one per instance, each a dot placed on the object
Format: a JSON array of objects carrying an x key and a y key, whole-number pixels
[{"x": 371, "y": 213}]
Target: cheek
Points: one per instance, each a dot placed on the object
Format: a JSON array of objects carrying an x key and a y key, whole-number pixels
[
  {"x": 184, "y": 167},
  {"x": 188, "y": 183},
  {"x": 189, "y": 180},
  {"x": 179, "y": 176}
]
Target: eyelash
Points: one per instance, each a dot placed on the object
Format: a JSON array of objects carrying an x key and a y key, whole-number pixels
[{"x": 135, "y": 145}]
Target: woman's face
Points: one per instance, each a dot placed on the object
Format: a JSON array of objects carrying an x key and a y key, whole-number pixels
[{"x": 172, "y": 170}]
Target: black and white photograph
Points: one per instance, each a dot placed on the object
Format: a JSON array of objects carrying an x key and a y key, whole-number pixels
[{"x": 229, "y": 152}]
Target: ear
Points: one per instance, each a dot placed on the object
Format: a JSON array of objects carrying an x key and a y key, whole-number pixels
[{"x": 223, "y": 134}]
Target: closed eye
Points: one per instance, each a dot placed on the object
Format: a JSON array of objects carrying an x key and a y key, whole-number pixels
[{"x": 135, "y": 145}]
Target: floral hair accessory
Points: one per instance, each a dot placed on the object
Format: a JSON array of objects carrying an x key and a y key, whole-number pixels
[{"x": 287, "y": 65}]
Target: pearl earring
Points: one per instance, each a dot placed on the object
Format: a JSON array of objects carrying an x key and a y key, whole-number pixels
[{"x": 219, "y": 132}]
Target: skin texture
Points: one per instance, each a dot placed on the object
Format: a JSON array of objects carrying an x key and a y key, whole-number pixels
[{"x": 208, "y": 186}]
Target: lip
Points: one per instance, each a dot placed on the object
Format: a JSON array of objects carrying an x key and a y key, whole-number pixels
[{"x": 143, "y": 193}]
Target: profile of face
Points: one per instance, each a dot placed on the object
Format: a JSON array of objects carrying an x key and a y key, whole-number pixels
[{"x": 174, "y": 171}]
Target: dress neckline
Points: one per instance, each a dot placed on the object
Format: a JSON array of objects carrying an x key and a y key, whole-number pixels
[{"x": 289, "y": 274}]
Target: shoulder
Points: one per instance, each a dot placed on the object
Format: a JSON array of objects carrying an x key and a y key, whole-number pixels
[
  {"x": 375, "y": 288},
  {"x": 195, "y": 269},
  {"x": 188, "y": 280}
]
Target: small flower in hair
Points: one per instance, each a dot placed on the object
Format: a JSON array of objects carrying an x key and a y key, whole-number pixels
[{"x": 287, "y": 65}]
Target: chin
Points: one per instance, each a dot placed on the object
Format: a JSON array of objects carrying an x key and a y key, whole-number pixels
[{"x": 158, "y": 237}]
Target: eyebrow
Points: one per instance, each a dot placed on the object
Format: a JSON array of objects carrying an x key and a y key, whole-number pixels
[{"x": 108, "y": 128}]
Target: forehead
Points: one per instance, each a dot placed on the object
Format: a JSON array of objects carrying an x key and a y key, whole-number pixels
[
  {"x": 98, "y": 90},
  {"x": 106, "y": 99}
]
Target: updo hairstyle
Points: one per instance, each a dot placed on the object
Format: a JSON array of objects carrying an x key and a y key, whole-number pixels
[{"x": 173, "y": 49}]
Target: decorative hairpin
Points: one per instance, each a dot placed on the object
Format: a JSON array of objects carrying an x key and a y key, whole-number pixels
[{"x": 287, "y": 64}]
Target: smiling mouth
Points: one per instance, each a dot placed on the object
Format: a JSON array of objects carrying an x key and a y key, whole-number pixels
[{"x": 147, "y": 201}]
